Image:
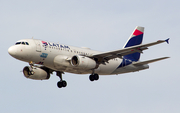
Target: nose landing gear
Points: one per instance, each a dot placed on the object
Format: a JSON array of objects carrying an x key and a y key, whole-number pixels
[
  {"x": 31, "y": 72},
  {"x": 93, "y": 77},
  {"x": 61, "y": 83}
]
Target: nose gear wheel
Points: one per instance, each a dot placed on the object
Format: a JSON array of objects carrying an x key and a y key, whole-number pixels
[
  {"x": 93, "y": 77},
  {"x": 61, "y": 83}
]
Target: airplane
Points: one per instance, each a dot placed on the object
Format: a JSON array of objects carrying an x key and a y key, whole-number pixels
[{"x": 45, "y": 57}]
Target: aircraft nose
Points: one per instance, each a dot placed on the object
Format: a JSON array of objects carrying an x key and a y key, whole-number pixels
[{"x": 12, "y": 51}]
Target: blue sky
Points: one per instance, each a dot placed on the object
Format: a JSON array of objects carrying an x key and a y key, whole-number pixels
[{"x": 100, "y": 25}]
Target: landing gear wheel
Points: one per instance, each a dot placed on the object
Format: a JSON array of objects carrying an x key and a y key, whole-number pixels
[
  {"x": 91, "y": 77},
  {"x": 61, "y": 84},
  {"x": 64, "y": 83},
  {"x": 94, "y": 77}
]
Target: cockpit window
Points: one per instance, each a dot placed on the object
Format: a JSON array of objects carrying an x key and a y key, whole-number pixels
[
  {"x": 17, "y": 43},
  {"x": 23, "y": 43},
  {"x": 27, "y": 43}
]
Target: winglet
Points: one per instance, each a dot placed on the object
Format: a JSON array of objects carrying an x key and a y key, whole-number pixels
[{"x": 167, "y": 40}]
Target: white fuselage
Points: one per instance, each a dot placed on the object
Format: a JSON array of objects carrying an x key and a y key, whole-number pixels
[{"x": 51, "y": 54}]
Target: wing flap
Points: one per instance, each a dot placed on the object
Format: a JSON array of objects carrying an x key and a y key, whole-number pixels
[{"x": 149, "y": 61}]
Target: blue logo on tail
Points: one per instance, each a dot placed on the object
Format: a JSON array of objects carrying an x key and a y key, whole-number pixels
[{"x": 136, "y": 40}]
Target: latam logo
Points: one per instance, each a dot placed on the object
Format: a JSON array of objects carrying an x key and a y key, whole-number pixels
[
  {"x": 54, "y": 45},
  {"x": 44, "y": 43}
]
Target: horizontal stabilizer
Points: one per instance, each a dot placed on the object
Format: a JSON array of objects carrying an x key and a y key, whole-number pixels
[{"x": 149, "y": 61}]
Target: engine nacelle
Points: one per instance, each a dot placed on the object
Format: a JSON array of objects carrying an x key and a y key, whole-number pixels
[
  {"x": 83, "y": 62},
  {"x": 36, "y": 73},
  {"x": 61, "y": 61}
]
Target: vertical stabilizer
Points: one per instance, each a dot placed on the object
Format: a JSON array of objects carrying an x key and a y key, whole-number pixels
[{"x": 136, "y": 38}]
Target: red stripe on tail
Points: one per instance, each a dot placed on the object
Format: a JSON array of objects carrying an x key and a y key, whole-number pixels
[{"x": 137, "y": 32}]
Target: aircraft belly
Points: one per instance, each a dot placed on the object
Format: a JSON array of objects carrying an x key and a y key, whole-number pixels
[
  {"x": 78, "y": 71},
  {"x": 73, "y": 70},
  {"x": 108, "y": 68}
]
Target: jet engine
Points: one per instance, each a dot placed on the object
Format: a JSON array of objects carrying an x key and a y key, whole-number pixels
[
  {"x": 83, "y": 62},
  {"x": 36, "y": 73}
]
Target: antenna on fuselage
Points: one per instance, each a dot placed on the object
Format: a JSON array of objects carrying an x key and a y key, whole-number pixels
[{"x": 32, "y": 37}]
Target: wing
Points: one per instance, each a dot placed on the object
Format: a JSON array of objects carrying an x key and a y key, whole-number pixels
[{"x": 106, "y": 56}]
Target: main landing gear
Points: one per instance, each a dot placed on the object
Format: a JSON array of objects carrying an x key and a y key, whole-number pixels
[
  {"x": 93, "y": 77},
  {"x": 61, "y": 83}
]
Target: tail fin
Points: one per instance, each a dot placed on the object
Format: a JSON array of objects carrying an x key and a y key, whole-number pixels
[{"x": 135, "y": 39}]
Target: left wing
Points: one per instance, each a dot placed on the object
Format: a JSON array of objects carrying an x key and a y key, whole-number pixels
[{"x": 106, "y": 56}]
